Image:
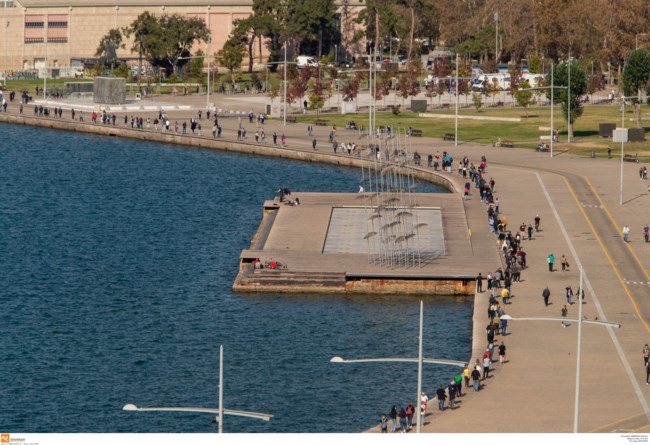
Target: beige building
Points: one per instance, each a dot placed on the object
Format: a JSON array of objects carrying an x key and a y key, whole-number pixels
[{"x": 61, "y": 33}]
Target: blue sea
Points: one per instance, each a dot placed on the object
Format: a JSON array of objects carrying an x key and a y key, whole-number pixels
[{"x": 117, "y": 259}]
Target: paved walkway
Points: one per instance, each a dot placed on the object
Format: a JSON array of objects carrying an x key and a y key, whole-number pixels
[{"x": 578, "y": 202}]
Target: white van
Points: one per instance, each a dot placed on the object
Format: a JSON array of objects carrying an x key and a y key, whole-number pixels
[{"x": 303, "y": 61}]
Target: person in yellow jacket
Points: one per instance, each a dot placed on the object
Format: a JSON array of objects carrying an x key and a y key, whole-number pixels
[{"x": 505, "y": 295}]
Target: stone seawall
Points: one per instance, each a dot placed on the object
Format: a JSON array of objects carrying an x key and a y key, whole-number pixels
[{"x": 213, "y": 144}]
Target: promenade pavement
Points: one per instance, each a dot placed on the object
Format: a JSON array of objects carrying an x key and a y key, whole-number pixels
[{"x": 578, "y": 202}]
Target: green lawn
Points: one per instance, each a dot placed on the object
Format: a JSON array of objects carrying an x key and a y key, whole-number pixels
[{"x": 525, "y": 133}]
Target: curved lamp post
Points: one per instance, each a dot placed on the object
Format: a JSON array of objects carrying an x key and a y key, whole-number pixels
[
  {"x": 218, "y": 411},
  {"x": 419, "y": 360}
]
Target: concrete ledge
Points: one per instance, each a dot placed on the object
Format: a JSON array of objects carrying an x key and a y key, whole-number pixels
[{"x": 471, "y": 118}]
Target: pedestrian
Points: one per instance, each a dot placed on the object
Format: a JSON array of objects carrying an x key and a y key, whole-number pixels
[
  {"x": 275, "y": 138},
  {"x": 647, "y": 373},
  {"x": 486, "y": 367},
  {"x": 626, "y": 234},
  {"x": 440, "y": 394},
  {"x": 393, "y": 418},
  {"x": 479, "y": 283},
  {"x": 546, "y": 293},
  {"x": 489, "y": 283},
  {"x": 530, "y": 232},
  {"x": 646, "y": 354},
  {"x": 458, "y": 378},
  {"x": 313, "y": 144},
  {"x": 402, "y": 419},
  {"x": 284, "y": 140},
  {"x": 646, "y": 232},
  {"x": 476, "y": 377},
  {"x": 537, "y": 221},
  {"x": 424, "y": 400},
  {"x": 564, "y": 314},
  {"x": 451, "y": 393},
  {"x": 504, "y": 326},
  {"x": 383, "y": 422},
  {"x": 565, "y": 263},
  {"x": 550, "y": 260},
  {"x": 466, "y": 375},
  {"x": 502, "y": 353},
  {"x": 410, "y": 410},
  {"x": 569, "y": 295}
]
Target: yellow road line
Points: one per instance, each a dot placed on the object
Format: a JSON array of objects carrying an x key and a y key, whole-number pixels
[
  {"x": 609, "y": 258},
  {"x": 618, "y": 422},
  {"x": 611, "y": 218}
]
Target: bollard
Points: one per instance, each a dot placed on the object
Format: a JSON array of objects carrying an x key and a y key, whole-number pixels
[{"x": 593, "y": 153}]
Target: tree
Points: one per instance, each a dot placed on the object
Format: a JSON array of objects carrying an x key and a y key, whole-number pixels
[
  {"x": 107, "y": 47},
  {"x": 524, "y": 96},
  {"x": 578, "y": 88},
  {"x": 477, "y": 100},
  {"x": 145, "y": 29},
  {"x": 231, "y": 55},
  {"x": 636, "y": 75},
  {"x": 176, "y": 36}
]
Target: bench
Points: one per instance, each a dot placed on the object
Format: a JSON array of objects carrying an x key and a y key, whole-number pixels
[
  {"x": 499, "y": 104},
  {"x": 320, "y": 122},
  {"x": 508, "y": 144},
  {"x": 291, "y": 119},
  {"x": 445, "y": 106},
  {"x": 631, "y": 158},
  {"x": 449, "y": 137},
  {"x": 416, "y": 133}
]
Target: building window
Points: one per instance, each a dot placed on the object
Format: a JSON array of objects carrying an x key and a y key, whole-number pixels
[
  {"x": 57, "y": 24},
  {"x": 57, "y": 40},
  {"x": 34, "y": 24},
  {"x": 34, "y": 39}
]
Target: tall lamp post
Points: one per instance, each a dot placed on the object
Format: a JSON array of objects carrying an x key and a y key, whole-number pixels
[
  {"x": 220, "y": 411},
  {"x": 580, "y": 321},
  {"x": 623, "y": 136},
  {"x": 284, "y": 97},
  {"x": 419, "y": 360},
  {"x": 7, "y": 23}
]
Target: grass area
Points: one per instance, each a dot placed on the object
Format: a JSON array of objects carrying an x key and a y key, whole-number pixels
[{"x": 525, "y": 133}]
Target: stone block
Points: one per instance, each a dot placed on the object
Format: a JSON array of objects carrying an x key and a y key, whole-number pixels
[{"x": 109, "y": 90}]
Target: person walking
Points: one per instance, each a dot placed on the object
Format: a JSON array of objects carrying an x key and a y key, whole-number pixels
[
  {"x": 393, "y": 418},
  {"x": 646, "y": 233},
  {"x": 476, "y": 377},
  {"x": 647, "y": 373},
  {"x": 646, "y": 354},
  {"x": 502, "y": 353},
  {"x": 458, "y": 378},
  {"x": 424, "y": 400},
  {"x": 479, "y": 283},
  {"x": 537, "y": 221},
  {"x": 486, "y": 367},
  {"x": 410, "y": 410},
  {"x": 546, "y": 294},
  {"x": 550, "y": 260},
  {"x": 451, "y": 393},
  {"x": 313, "y": 144},
  {"x": 440, "y": 394},
  {"x": 402, "y": 419},
  {"x": 569, "y": 295},
  {"x": 626, "y": 234},
  {"x": 530, "y": 232},
  {"x": 565, "y": 263},
  {"x": 466, "y": 375},
  {"x": 564, "y": 314}
]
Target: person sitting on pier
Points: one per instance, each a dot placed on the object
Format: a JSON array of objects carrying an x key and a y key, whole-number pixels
[
  {"x": 273, "y": 264},
  {"x": 257, "y": 264}
]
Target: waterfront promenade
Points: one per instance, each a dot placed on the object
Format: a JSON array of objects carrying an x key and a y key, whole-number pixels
[{"x": 578, "y": 202}]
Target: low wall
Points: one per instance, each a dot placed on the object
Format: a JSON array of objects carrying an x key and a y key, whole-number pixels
[{"x": 214, "y": 144}]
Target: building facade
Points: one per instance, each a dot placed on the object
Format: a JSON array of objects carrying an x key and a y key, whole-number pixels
[{"x": 59, "y": 34}]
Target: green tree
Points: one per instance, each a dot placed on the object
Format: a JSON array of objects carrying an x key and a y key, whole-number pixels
[
  {"x": 232, "y": 54},
  {"x": 524, "y": 96},
  {"x": 176, "y": 35},
  {"x": 145, "y": 29},
  {"x": 477, "y": 100},
  {"x": 636, "y": 75},
  {"x": 196, "y": 65},
  {"x": 562, "y": 96}
]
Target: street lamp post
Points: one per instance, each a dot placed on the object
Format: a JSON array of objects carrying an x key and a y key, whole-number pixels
[
  {"x": 580, "y": 322},
  {"x": 419, "y": 360},
  {"x": 623, "y": 138},
  {"x": 284, "y": 108},
  {"x": 207, "y": 93},
  {"x": 7, "y": 23},
  {"x": 456, "y": 122},
  {"x": 220, "y": 411}
]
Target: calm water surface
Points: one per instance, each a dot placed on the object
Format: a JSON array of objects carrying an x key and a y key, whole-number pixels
[{"x": 117, "y": 260}]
